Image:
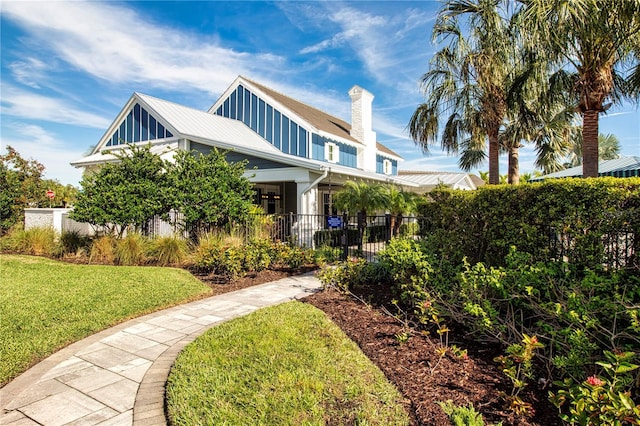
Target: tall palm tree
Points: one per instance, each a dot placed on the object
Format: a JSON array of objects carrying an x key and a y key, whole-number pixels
[
  {"x": 595, "y": 44},
  {"x": 467, "y": 81}
]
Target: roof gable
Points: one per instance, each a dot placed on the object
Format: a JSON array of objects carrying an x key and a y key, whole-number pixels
[{"x": 320, "y": 120}]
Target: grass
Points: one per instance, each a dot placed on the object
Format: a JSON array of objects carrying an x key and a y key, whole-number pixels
[
  {"x": 284, "y": 365},
  {"x": 46, "y": 304}
]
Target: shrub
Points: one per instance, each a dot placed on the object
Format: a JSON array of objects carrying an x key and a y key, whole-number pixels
[
  {"x": 131, "y": 249},
  {"x": 220, "y": 255},
  {"x": 353, "y": 273},
  {"x": 103, "y": 250},
  {"x": 75, "y": 244},
  {"x": 600, "y": 400},
  {"x": 565, "y": 217},
  {"x": 258, "y": 254},
  {"x": 41, "y": 241},
  {"x": 327, "y": 254},
  {"x": 169, "y": 251}
]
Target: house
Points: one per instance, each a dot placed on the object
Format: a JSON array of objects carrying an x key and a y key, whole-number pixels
[
  {"x": 619, "y": 167},
  {"x": 297, "y": 155}
]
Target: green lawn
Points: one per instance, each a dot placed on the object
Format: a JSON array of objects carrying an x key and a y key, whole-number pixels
[
  {"x": 45, "y": 304},
  {"x": 284, "y": 365}
]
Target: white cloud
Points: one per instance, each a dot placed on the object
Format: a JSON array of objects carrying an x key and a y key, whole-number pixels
[
  {"x": 29, "y": 71},
  {"x": 34, "y": 142},
  {"x": 116, "y": 44},
  {"x": 22, "y": 104}
]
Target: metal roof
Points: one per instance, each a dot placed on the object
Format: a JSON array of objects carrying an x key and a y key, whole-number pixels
[
  {"x": 432, "y": 179},
  {"x": 619, "y": 167}
]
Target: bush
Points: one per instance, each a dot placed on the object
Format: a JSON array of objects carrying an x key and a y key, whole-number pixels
[
  {"x": 327, "y": 254},
  {"x": 354, "y": 273},
  {"x": 41, "y": 241},
  {"x": 75, "y": 244},
  {"x": 217, "y": 254},
  {"x": 258, "y": 255},
  {"x": 131, "y": 249},
  {"x": 103, "y": 250},
  {"x": 565, "y": 218},
  {"x": 169, "y": 251}
]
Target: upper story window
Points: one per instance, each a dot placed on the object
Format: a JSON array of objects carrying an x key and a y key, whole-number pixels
[
  {"x": 138, "y": 126},
  {"x": 331, "y": 152},
  {"x": 387, "y": 167},
  {"x": 268, "y": 122}
]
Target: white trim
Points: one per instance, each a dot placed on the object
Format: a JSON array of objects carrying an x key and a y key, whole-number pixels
[
  {"x": 387, "y": 166},
  {"x": 331, "y": 152}
]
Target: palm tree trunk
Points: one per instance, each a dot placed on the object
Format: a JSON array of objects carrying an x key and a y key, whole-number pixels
[
  {"x": 514, "y": 166},
  {"x": 494, "y": 157},
  {"x": 590, "y": 143}
]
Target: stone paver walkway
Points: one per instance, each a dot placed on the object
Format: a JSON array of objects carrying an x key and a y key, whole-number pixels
[{"x": 118, "y": 376}]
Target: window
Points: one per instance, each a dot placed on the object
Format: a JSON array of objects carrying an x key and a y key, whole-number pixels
[
  {"x": 387, "y": 167},
  {"x": 331, "y": 152}
]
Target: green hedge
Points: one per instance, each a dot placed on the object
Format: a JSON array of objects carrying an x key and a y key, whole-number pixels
[{"x": 575, "y": 215}]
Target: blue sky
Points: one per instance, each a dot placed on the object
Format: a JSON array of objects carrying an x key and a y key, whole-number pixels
[{"x": 69, "y": 67}]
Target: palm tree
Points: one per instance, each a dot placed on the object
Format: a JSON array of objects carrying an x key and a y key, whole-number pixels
[
  {"x": 399, "y": 203},
  {"x": 360, "y": 198},
  {"x": 594, "y": 46},
  {"x": 608, "y": 149},
  {"x": 467, "y": 81}
]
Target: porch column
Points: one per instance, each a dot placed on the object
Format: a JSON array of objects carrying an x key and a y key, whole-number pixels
[{"x": 307, "y": 202}]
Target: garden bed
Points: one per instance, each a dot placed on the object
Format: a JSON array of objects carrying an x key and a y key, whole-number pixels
[{"x": 421, "y": 374}]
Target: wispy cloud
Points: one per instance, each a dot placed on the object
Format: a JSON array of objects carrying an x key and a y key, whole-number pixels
[
  {"x": 29, "y": 71},
  {"x": 115, "y": 44},
  {"x": 22, "y": 104}
]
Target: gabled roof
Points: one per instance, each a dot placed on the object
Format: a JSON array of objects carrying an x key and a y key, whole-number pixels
[
  {"x": 319, "y": 119},
  {"x": 620, "y": 167}
]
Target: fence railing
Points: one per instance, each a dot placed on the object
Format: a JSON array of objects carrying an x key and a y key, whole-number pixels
[{"x": 362, "y": 236}]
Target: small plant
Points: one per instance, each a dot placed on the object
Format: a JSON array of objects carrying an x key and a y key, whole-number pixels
[
  {"x": 600, "y": 400},
  {"x": 462, "y": 416},
  {"x": 517, "y": 365},
  {"x": 345, "y": 275},
  {"x": 402, "y": 337},
  {"x": 327, "y": 255}
]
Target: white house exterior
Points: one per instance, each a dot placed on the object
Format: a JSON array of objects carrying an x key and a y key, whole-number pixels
[{"x": 297, "y": 155}]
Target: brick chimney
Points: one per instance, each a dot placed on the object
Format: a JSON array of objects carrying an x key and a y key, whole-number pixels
[{"x": 361, "y": 127}]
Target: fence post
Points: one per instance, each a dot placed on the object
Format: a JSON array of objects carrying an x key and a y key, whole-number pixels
[
  {"x": 345, "y": 236},
  {"x": 387, "y": 228}
]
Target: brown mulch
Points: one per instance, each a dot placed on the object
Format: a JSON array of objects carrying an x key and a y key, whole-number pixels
[{"x": 422, "y": 374}]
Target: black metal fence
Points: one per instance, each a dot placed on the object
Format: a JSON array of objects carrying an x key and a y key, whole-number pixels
[{"x": 356, "y": 235}]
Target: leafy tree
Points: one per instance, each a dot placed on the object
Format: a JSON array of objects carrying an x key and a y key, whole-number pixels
[
  {"x": 209, "y": 191},
  {"x": 594, "y": 45},
  {"x": 22, "y": 186},
  {"x": 124, "y": 194}
]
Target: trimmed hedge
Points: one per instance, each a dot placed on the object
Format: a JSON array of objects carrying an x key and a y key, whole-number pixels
[{"x": 570, "y": 219}]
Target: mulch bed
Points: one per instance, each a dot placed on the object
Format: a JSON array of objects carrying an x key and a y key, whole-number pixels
[{"x": 422, "y": 375}]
